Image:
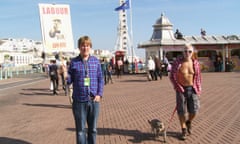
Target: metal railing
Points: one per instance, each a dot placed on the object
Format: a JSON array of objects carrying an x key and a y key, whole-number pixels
[{"x": 10, "y": 72}]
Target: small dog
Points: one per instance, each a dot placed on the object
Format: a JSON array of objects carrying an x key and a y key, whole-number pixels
[{"x": 158, "y": 127}]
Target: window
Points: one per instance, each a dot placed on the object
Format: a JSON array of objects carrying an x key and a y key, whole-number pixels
[{"x": 208, "y": 53}]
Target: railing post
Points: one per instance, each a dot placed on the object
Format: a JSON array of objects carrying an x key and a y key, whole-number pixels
[
  {"x": 10, "y": 72},
  {"x": 1, "y": 73},
  {"x": 5, "y": 74},
  {"x": 25, "y": 71},
  {"x": 17, "y": 71}
]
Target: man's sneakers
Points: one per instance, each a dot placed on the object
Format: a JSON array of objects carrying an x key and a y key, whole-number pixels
[
  {"x": 189, "y": 127},
  {"x": 183, "y": 135}
]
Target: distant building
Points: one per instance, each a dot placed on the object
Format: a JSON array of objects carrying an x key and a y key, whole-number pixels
[
  {"x": 18, "y": 52},
  {"x": 164, "y": 42}
]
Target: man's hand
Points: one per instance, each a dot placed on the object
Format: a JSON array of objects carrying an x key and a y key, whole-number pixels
[{"x": 97, "y": 98}]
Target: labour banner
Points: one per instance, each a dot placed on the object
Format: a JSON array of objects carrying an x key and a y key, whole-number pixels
[{"x": 56, "y": 27}]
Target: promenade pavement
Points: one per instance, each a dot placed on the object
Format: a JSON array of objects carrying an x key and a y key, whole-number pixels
[{"x": 30, "y": 114}]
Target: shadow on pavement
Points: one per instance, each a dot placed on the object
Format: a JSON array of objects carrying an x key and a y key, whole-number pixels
[
  {"x": 137, "y": 136},
  {"x": 36, "y": 92},
  {"x": 49, "y": 105},
  {"x": 36, "y": 89},
  {"x": 6, "y": 140},
  {"x": 134, "y": 80}
]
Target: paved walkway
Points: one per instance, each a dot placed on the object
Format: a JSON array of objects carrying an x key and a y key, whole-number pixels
[{"x": 29, "y": 114}]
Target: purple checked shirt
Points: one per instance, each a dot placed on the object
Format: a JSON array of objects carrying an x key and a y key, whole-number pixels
[{"x": 78, "y": 71}]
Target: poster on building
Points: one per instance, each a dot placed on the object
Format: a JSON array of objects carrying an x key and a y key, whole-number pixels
[{"x": 56, "y": 27}]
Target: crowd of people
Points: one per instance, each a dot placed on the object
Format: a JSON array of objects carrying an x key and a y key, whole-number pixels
[
  {"x": 157, "y": 68},
  {"x": 56, "y": 71},
  {"x": 107, "y": 71}
]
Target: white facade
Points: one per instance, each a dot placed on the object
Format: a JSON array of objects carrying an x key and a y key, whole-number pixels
[{"x": 20, "y": 52}]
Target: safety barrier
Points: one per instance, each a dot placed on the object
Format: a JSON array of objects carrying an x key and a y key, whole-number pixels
[{"x": 10, "y": 72}]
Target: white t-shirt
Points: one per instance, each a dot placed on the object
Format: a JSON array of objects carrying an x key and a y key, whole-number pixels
[{"x": 151, "y": 64}]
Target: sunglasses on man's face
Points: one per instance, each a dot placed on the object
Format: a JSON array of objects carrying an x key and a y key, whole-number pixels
[{"x": 188, "y": 51}]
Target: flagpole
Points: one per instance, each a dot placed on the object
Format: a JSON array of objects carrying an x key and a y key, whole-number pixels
[{"x": 131, "y": 31}]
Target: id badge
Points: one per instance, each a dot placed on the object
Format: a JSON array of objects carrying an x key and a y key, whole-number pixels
[{"x": 86, "y": 81}]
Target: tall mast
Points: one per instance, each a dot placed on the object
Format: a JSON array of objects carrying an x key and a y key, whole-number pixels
[{"x": 124, "y": 42}]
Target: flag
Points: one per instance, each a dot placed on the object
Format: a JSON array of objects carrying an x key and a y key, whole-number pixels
[{"x": 124, "y": 6}]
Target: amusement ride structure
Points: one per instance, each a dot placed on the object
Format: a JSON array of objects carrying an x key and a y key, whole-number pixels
[{"x": 124, "y": 44}]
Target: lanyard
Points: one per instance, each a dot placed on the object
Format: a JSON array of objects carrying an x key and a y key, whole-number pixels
[
  {"x": 86, "y": 79},
  {"x": 86, "y": 68}
]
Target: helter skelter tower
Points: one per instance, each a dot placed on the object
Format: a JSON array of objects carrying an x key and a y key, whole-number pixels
[{"x": 124, "y": 43}]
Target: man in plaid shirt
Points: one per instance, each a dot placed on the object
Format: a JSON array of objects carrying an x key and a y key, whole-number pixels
[
  {"x": 186, "y": 79},
  {"x": 85, "y": 75}
]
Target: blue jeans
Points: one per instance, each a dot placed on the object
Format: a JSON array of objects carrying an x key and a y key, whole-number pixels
[{"x": 86, "y": 112}]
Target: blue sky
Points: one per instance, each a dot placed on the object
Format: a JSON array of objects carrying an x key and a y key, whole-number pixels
[{"x": 97, "y": 18}]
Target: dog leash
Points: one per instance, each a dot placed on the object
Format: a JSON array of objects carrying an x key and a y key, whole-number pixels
[{"x": 171, "y": 118}]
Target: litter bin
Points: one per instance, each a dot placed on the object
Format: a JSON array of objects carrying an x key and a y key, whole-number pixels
[{"x": 228, "y": 66}]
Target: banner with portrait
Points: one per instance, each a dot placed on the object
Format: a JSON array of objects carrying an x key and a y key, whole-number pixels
[{"x": 56, "y": 27}]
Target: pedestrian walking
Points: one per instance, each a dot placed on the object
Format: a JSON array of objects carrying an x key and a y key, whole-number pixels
[
  {"x": 109, "y": 73},
  {"x": 151, "y": 68},
  {"x": 119, "y": 67},
  {"x": 186, "y": 78},
  {"x": 104, "y": 70},
  {"x": 158, "y": 68},
  {"x": 62, "y": 68},
  {"x": 53, "y": 73}
]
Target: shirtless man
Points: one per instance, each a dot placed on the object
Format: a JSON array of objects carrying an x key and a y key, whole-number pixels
[{"x": 186, "y": 79}]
